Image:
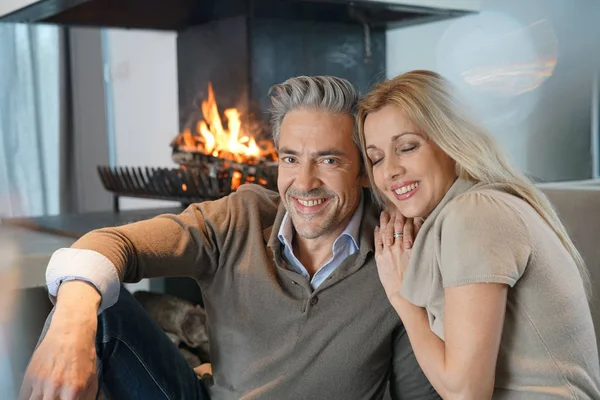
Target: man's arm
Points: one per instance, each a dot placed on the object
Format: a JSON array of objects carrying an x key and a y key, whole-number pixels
[
  {"x": 187, "y": 244},
  {"x": 64, "y": 364},
  {"x": 168, "y": 245},
  {"x": 407, "y": 380}
]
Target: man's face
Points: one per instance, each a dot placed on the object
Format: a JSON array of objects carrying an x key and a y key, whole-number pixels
[{"x": 319, "y": 171}]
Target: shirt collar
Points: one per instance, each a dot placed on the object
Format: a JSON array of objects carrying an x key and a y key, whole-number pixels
[{"x": 352, "y": 230}]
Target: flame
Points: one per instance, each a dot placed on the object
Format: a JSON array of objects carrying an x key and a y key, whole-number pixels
[
  {"x": 230, "y": 142},
  {"x": 236, "y": 180}
]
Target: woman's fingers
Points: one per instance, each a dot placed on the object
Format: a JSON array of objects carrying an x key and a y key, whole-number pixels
[
  {"x": 391, "y": 225},
  {"x": 399, "y": 222},
  {"x": 378, "y": 239},
  {"x": 387, "y": 229}
]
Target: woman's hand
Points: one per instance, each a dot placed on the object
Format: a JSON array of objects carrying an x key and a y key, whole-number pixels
[{"x": 394, "y": 238}]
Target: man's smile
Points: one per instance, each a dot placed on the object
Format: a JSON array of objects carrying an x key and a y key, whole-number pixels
[{"x": 310, "y": 205}]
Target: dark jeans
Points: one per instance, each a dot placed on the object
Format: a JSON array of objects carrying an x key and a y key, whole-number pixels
[{"x": 136, "y": 360}]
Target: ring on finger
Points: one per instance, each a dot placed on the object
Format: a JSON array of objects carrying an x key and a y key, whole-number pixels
[{"x": 398, "y": 235}]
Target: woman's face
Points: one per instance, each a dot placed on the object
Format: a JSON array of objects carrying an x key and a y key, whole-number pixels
[{"x": 412, "y": 172}]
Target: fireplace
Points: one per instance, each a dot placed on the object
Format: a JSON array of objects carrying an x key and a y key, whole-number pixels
[{"x": 216, "y": 153}]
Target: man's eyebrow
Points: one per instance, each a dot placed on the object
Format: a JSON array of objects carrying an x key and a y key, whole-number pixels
[
  {"x": 395, "y": 137},
  {"x": 285, "y": 150},
  {"x": 331, "y": 152}
]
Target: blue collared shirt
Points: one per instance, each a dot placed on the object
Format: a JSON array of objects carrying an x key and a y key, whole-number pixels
[{"x": 344, "y": 246}]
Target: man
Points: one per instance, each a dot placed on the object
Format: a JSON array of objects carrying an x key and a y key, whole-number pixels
[{"x": 294, "y": 303}]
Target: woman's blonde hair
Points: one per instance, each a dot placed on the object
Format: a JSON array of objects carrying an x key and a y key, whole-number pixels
[{"x": 427, "y": 99}]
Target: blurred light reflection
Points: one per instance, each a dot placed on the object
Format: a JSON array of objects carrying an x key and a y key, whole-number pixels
[{"x": 497, "y": 60}]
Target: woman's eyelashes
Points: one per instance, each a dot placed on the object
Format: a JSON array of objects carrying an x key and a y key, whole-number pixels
[
  {"x": 406, "y": 148},
  {"x": 374, "y": 156},
  {"x": 399, "y": 150},
  {"x": 376, "y": 161}
]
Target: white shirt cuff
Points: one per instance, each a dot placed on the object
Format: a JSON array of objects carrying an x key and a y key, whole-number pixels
[{"x": 84, "y": 265}]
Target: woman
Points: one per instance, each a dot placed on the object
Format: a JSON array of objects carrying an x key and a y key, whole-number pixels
[{"x": 492, "y": 292}]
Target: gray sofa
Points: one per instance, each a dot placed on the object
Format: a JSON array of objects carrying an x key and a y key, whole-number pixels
[{"x": 578, "y": 206}]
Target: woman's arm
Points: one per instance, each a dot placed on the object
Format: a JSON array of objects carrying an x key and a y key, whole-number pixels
[
  {"x": 485, "y": 247},
  {"x": 464, "y": 365}
]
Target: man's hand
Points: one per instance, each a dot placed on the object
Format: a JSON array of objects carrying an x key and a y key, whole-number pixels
[{"x": 64, "y": 365}]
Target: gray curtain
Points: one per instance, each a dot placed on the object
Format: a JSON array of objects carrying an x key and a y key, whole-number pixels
[{"x": 31, "y": 119}]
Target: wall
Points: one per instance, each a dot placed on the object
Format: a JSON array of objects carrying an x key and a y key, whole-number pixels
[
  {"x": 142, "y": 69},
  {"x": 547, "y": 130},
  {"x": 8, "y": 6},
  {"x": 89, "y": 148}
]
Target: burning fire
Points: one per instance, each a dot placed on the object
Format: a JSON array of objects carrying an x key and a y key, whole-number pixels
[{"x": 230, "y": 143}]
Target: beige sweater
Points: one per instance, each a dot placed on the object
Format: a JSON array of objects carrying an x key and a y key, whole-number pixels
[
  {"x": 271, "y": 335},
  {"x": 479, "y": 233}
]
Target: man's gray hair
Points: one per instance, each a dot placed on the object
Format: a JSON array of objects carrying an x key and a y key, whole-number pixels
[{"x": 326, "y": 93}]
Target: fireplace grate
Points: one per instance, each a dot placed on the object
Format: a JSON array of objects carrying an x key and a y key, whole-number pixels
[{"x": 185, "y": 184}]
